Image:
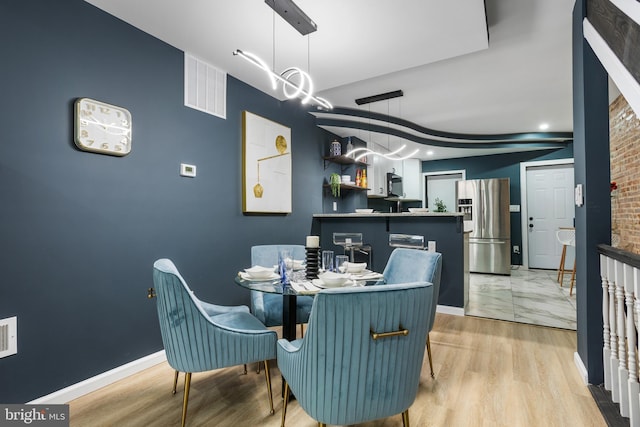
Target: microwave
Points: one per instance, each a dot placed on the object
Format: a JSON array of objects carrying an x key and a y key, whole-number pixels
[{"x": 394, "y": 185}]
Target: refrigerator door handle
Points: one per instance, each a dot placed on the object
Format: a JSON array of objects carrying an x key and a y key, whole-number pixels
[{"x": 489, "y": 242}]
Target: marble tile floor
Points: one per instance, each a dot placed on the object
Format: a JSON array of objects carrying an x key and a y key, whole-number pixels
[{"x": 527, "y": 296}]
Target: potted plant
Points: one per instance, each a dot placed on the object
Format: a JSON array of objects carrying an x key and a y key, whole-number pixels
[
  {"x": 440, "y": 206},
  {"x": 334, "y": 181}
]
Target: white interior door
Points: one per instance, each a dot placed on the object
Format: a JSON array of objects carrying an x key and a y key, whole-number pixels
[
  {"x": 441, "y": 185},
  {"x": 549, "y": 206}
]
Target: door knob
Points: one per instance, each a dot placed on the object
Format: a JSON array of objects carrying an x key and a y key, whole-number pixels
[
  {"x": 530, "y": 225},
  {"x": 530, "y": 218}
]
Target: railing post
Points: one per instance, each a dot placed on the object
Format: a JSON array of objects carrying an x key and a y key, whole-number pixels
[
  {"x": 606, "y": 349},
  {"x": 613, "y": 361},
  {"x": 633, "y": 388},
  {"x": 623, "y": 373}
]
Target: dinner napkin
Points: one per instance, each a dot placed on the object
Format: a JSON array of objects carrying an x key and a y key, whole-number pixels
[
  {"x": 367, "y": 275},
  {"x": 304, "y": 287}
]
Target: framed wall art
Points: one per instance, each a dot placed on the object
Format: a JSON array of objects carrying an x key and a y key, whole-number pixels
[{"x": 266, "y": 165}]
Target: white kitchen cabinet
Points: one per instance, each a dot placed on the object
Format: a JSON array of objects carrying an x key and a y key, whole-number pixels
[
  {"x": 377, "y": 172},
  {"x": 412, "y": 178}
]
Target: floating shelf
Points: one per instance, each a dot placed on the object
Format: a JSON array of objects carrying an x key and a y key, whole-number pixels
[
  {"x": 342, "y": 160},
  {"x": 348, "y": 187}
]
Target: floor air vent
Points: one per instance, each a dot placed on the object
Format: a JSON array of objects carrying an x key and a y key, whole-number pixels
[{"x": 8, "y": 337}]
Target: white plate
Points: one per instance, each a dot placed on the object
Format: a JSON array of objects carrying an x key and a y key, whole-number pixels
[
  {"x": 319, "y": 283},
  {"x": 247, "y": 276}
]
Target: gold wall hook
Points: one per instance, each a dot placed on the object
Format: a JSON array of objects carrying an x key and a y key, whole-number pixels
[{"x": 151, "y": 293}]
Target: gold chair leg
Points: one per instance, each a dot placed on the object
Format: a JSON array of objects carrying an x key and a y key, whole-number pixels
[
  {"x": 429, "y": 354},
  {"x": 405, "y": 418},
  {"x": 258, "y": 368},
  {"x": 284, "y": 402},
  {"x": 573, "y": 278},
  {"x": 187, "y": 385},
  {"x": 175, "y": 382},
  {"x": 267, "y": 376},
  {"x": 321, "y": 424},
  {"x": 563, "y": 257}
]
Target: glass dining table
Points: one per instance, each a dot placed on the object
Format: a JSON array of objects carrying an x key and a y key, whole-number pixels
[
  {"x": 289, "y": 300},
  {"x": 289, "y": 295}
]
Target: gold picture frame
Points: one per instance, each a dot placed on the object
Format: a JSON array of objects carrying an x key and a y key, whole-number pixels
[{"x": 266, "y": 165}]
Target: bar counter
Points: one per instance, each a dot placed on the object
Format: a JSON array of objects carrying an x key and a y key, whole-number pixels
[{"x": 445, "y": 228}]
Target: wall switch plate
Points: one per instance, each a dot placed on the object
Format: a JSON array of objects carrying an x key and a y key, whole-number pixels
[
  {"x": 514, "y": 208},
  {"x": 335, "y": 206},
  {"x": 187, "y": 170},
  {"x": 516, "y": 249},
  {"x": 431, "y": 245},
  {"x": 578, "y": 195}
]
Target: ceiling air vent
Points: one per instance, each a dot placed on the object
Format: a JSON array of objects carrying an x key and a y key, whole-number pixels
[{"x": 205, "y": 87}]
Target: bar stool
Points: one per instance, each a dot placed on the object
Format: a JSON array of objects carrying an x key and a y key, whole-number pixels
[
  {"x": 354, "y": 247},
  {"x": 406, "y": 241},
  {"x": 349, "y": 241},
  {"x": 567, "y": 237}
]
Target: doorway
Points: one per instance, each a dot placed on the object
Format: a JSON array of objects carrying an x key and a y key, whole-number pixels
[
  {"x": 547, "y": 204},
  {"x": 441, "y": 185}
]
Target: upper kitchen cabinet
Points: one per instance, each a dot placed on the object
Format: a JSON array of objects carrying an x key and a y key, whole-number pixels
[
  {"x": 378, "y": 168},
  {"x": 412, "y": 178}
]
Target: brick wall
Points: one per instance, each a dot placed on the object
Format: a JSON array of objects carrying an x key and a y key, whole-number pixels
[{"x": 624, "y": 140}]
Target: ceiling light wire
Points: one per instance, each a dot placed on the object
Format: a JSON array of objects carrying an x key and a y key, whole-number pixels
[{"x": 273, "y": 43}]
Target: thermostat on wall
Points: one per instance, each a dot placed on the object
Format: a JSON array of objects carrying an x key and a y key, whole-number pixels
[{"x": 187, "y": 170}]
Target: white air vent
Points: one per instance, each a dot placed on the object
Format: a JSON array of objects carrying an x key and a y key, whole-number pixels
[
  {"x": 205, "y": 87},
  {"x": 8, "y": 336}
]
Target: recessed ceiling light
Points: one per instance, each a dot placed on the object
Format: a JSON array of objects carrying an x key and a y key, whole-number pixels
[
  {"x": 543, "y": 126},
  {"x": 430, "y": 153}
]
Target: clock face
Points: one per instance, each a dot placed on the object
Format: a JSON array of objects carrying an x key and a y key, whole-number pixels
[{"x": 102, "y": 128}]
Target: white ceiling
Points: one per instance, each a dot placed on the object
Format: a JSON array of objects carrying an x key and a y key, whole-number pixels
[{"x": 454, "y": 78}]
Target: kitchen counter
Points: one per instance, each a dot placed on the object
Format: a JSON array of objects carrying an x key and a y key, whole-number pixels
[
  {"x": 446, "y": 229},
  {"x": 389, "y": 214}
]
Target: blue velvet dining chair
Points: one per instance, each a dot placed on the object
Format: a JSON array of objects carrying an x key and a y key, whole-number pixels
[
  {"x": 195, "y": 341},
  {"x": 361, "y": 357},
  {"x": 268, "y": 307},
  {"x": 416, "y": 265},
  {"x": 211, "y": 310}
]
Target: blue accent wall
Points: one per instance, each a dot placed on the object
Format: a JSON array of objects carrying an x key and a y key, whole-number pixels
[
  {"x": 80, "y": 231},
  {"x": 593, "y": 218},
  {"x": 501, "y": 166}
]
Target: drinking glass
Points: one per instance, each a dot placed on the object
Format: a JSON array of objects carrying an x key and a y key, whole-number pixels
[
  {"x": 341, "y": 266},
  {"x": 327, "y": 260}
]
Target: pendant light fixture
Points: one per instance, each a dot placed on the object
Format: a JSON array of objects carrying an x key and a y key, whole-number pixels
[
  {"x": 296, "y": 83},
  {"x": 366, "y": 151}
]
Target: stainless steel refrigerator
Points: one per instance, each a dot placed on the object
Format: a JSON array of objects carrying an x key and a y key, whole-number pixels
[{"x": 485, "y": 204}]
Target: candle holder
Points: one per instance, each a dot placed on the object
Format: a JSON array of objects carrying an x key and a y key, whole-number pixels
[{"x": 312, "y": 262}]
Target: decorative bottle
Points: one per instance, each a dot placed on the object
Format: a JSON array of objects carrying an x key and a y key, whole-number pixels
[
  {"x": 349, "y": 146},
  {"x": 358, "y": 178},
  {"x": 363, "y": 178}
]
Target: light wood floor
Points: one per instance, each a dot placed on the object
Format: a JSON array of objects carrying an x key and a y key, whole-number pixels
[{"x": 488, "y": 373}]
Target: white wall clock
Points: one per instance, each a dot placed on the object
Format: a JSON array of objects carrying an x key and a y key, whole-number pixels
[{"x": 102, "y": 128}]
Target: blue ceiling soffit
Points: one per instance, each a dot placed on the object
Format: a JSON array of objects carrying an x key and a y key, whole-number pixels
[{"x": 381, "y": 123}]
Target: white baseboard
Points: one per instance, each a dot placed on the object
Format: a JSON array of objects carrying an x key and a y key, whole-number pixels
[
  {"x": 582, "y": 370},
  {"x": 447, "y": 309},
  {"x": 74, "y": 391}
]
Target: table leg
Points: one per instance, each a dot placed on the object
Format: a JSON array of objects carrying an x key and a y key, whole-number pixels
[{"x": 289, "y": 305}]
